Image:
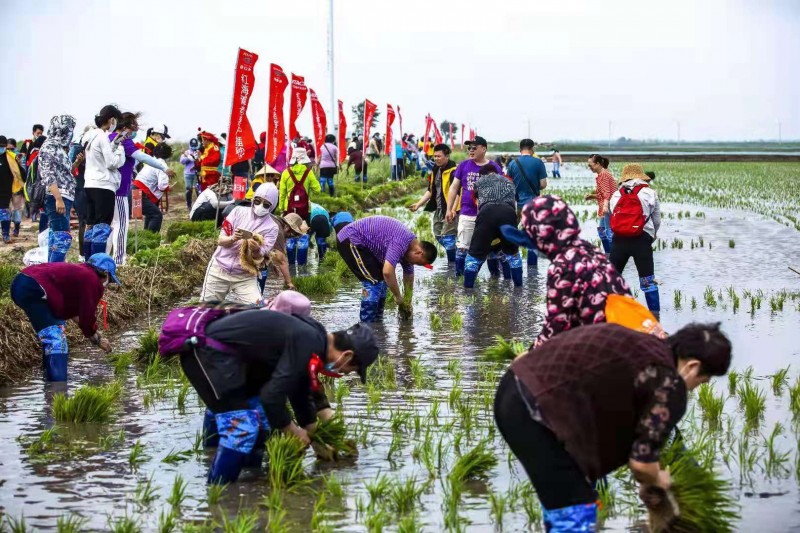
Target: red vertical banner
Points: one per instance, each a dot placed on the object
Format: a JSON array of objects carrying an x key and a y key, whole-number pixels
[
  {"x": 389, "y": 122},
  {"x": 136, "y": 203},
  {"x": 436, "y": 133},
  {"x": 452, "y": 139},
  {"x": 239, "y": 187},
  {"x": 462, "y": 136},
  {"x": 400, "y": 123},
  {"x": 369, "y": 114},
  {"x": 297, "y": 103},
  {"x": 428, "y": 121},
  {"x": 342, "y": 133},
  {"x": 471, "y": 134},
  {"x": 276, "y": 129},
  {"x": 241, "y": 141},
  {"x": 320, "y": 121}
]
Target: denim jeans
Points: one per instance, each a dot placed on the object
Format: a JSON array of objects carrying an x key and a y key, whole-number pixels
[
  {"x": 604, "y": 232},
  {"x": 56, "y": 221}
]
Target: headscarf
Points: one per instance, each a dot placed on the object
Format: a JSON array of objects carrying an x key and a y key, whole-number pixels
[
  {"x": 223, "y": 187},
  {"x": 54, "y": 165},
  {"x": 289, "y": 302},
  {"x": 268, "y": 192},
  {"x": 551, "y": 224},
  {"x": 495, "y": 189}
]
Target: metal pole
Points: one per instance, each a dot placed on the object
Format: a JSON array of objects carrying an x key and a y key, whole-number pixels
[
  {"x": 334, "y": 108},
  {"x": 780, "y": 137},
  {"x": 679, "y": 130},
  {"x": 529, "y": 128},
  {"x": 609, "y": 134}
]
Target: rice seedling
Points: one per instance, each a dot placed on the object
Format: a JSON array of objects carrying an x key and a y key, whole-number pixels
[
  {"x": 342, "y": 391},
  {"x": 15, "y": 525},
  {"x": 779, "y": 380},
  {"x": 285, "y": 454},
  {"x": 148, "y": 345},
  {"x": 376, "y": 522},
  {"x": 419, "y": 374},
  {"x": 404, "y": 496},
  {"x": 775, "y": 464},
  {"x": 318, "y": 515},
  {"x": 88, "y": 404},
  {"x": 71, "y": 523},
  {"x": 711, "y": 405},
  {"x": 178, "y": 493},
  {"x": 794, "y": 399},
  {"x": 457, "y": 322},
  {"x": 145, "y": 493},
  {"x": 398, "y": 420},
  {"x": 394, "y": 446},
  {"x": 333, "y": 486},
  {"x": 498, "y": 504},
  {"x": 694, "y": 303},
  {"x": 753, "y": 401},
  {"x": 121, "y": 361},
  {"x": 382, "y": 373},
  {"x": 733, "y": 380},
  {"x": 452, "y": 498},
  {"x": 409, "y": 524},
  {"x": 167, "y": 521},
  {"x": 607, "y": 496},
  {"x": 748, "y": 373},
  {"x": 710, "y": 299},
  {"x": 377, "y": 489},
  {"x": 453, "y": 397},
  {"x": 433, "y": 411},
  {"x": 531, "y": 505},
  {"x": 246, "y": 521},
  {"x": 123, "y": 524},
  {"x": 318, "y": 285},
  {"x": 475, "y": 464},
  {"x": 214, "y": 492},
  {"x": 173, "y": 457},
  {"x": 503, "y": 350},
  {"x": 331, "y": 435},
  {"x": 137, "y": 456},
  {"x": 436, "y": 321},
  {"x": 731, "y": 243},
  {"x": 677, "y": 298},
  {"x": 107, "y": 442},
  {"x": 180, "y": 400}
]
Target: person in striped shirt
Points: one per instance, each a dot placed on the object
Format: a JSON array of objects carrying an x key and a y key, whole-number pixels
[
  {"x": 373, "y": 247},
  {"x": 606, "y": 187}
]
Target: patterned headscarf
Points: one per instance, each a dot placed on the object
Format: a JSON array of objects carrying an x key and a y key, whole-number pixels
[
  {"x": 223, "y": 187},
  {"x": 54, "y": 165},
  {"x": 495, "y": 189},
  {"x": 551, "y": 224}
]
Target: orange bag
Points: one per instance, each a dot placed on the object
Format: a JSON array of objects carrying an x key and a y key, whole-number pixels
[{"x": 626, "y": 311}]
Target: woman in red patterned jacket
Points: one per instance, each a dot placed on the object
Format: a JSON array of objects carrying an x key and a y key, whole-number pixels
[{"x": 605, "y": 188}]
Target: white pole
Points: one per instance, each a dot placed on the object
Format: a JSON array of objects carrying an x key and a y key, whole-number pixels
[
  {"x": 679, "y": 130},
  {"x": 334, "y": 108},
  {"x": 780, "y": 136},
  {"x": 609, "y": 134}
]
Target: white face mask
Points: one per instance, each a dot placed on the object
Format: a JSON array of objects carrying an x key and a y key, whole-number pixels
[
  {"x": 112, "y": 125},
  {"x": 260, "y": 210}
]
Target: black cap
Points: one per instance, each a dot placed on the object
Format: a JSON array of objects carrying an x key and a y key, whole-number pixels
[
  {"x": 365, "y": 347},
  {"x": 477, "y": 141}
]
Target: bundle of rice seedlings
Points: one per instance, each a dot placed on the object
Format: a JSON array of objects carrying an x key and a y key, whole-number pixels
[
  {"x": 475, "y": 464},
  {"x": 318, "y": 285},
  {"x": 148, "y": 346},
  {"x": 204, "y": 229},
  {"x": 502, "y": 350},
  {"x": 329, "y": 439},
  {"x": 88, "y": 404},
  {"x": 285, "y": 454}
]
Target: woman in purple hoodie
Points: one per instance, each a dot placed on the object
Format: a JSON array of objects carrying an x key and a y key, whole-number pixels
[{"x": 328, "y": 163}]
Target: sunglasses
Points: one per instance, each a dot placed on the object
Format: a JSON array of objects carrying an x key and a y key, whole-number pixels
[
  {"x": 261, "y": 201},
  {"x": 472, "y": 148}
]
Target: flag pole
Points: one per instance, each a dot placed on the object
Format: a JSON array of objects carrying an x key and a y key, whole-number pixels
[{"x": 364, "y": 143}]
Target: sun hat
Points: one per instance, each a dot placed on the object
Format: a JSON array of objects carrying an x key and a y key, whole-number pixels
[
  {"x": 104, "y": 263},
  {"x": 161, "y": 129},
  {"x": 365, "y": 347},
  {"x": 633, "y": 171},
  {"x": 296, "y": 222},
  {"x": 299, "y": 155},
  {"x": 209, "y": 136}
]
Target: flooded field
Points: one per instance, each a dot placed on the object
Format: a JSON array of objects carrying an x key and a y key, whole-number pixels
[{"x": 429, "y": 405}]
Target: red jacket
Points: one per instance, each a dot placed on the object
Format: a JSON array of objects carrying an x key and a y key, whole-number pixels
[{"x": 72, "y": 289}]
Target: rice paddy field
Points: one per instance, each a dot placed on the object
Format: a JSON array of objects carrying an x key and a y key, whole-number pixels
[{"x": 121, "y": 451}]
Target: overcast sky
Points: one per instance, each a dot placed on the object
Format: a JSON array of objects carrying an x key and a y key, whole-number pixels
[{"x": 724, "y": 69}]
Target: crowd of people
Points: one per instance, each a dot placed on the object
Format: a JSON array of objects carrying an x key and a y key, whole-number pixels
[{"x": 593, "y": 393}]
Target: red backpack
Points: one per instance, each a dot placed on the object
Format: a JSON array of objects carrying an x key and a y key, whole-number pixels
[
  {"x": 298, "y": 197},
  {"x": 627, "y": 219}
]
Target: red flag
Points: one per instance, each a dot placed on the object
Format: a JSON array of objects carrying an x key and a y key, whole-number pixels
[
  {"x": 452, "y": 139},
  {"x": 471, "y": 134},
  {"x": 342, "y": 133},
  {"x": 400, "y": 121},
  {"x": 389, "y": 122},
  {"x": 462, "y": 136},
  {"x": 369, "y": 114},
  {"x": 136, "y": 203},
  {"x": 276, "y": 129},
  {"x": 437, "y": 133},
  {"x": 320, "y": 121},
  {"x": 241, "y": 141},
  {"x": 298, "y": 102},
  {"x": 239, "y": 187},
  {"x": 428, "y": 121}
]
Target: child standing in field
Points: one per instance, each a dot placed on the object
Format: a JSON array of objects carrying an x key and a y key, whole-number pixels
[{"x": 153, "y": 183}]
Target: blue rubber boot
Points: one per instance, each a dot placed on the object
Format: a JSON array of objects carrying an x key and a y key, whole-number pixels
[
  {"x": 451, "y": 256},
  {"x": 515, "y": 266},
  {"x": 533, "y": 257},
  {"x": 384, "y": 288},
  {"x": 461, "y": 258},
  {"x": 100, "y": 238},
  {"x": 210, "y": 431},
  {"x": 291, "y": 250},
  {"x": 55, "y": 352},
  {"x": 576, "y": 518},
  {"x": 493, "y": 263},
  {"x": 302, "y": 249},
  {"x": 256, "y": 457},
  {"x": 59, "y": 242},
  {"x": 322, "y": 183},
  {"x": 238, "y": 431},
  {"x": 370, "y": 301},
  {"x": 5, "y": 224},
  {"x": 322, "y": 248},
  {"x": 504, "y": 266},
  {"x": 649, "y": 287},
  {"x": 87, "y": 243},
  {"x": 448, "y": 242},
  {"x": 471, "y": 268},
  {"x": 605, "y": 238}
]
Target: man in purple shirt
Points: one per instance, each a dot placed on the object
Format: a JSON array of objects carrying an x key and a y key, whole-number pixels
[
  {"x": 464, "y": 181},
  {"x": 372, "y": 247}
]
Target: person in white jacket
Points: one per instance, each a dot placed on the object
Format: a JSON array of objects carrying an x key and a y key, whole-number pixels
[
  {"x": 639, "y": 247},
  {"x": 103, "y": 158},
  {"x": 154, "y": 182}
]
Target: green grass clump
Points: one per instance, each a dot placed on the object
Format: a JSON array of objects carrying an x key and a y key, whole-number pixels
[
  {"x": 200, "y": 230},
  {"x": 88, "y": 404},
  {"x": 318, "y": 285},
  {"x": 142, "y": 240},
  {"x": 285, "y": 454},
  {"x": 7, "y": 274},
  {"x": 475, "y": 464},
  {"x": 503, "y": 350}
]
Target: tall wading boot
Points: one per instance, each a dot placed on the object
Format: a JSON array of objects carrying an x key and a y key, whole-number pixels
[
  {"x": 87, "y": 243},
  {"x": 55, "y": 352},
  {"x": 322, "y": 248},
  {"x": 504, "y": 266},
  {"x": 370, "y": 301},
  {"x": 291, "y": 250},
  {"x": 461, "y": 258},
  {"x": 5, "y": 224},
  {"x": 16, "y": 228},
  {"x": 471, "y": 268},
  {"x": 330, "y": 188},
  {"x": 302, "y": 249},
  {"x": 59, "y": 242},
  {"x": 238, "y": 431},
  {"x": 493, "y": 264},
  {"x": 533, "y": 258},
  {"x": 256, "y": 457},
  {"x": 515, "y": 266},
  {"x": 189, "y": 198},
  {"x": 575, "y": 518},
  {"x": 262, "y": 280},
  {"x": 100, "y": 238},
  {"x": 210, "y": 431},
  {"x": 649, "y": 287},
  {"x": 384, "y": 290}
]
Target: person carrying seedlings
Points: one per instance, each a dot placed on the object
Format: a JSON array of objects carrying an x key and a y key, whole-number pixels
[
  {"x": 530, "y": 177},
  {"x": 209, "y": 161},
  {"x": 10, "y": 176},
  {"x": 211, "y": 203},
  {"x": 569, "y": 427},
  {"x": 495, "y": 195},
  {"x": 188, "y": 159},
  {"x": 321, "y": 228},
  {"x": 52, "y": 293},
  {"x": 254, "y": 357},
  {"x": 463, "y": 184},
  {"x": 154, "y": 183},
  {"x": 298, "y": 185},
  {"x": 55, "y": 171},
  {"x": 580, "y": 277},
  {"x": 435, "y": 199},
  {"x": 372, "y": 247},
  {"x": 247, "y": 236},
  {"x": 605, "y": 188},
  {"x": 635, "y": 220}
]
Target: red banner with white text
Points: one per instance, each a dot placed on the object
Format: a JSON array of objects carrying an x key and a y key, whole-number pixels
[
  {"x": 369, "y": 114},
  {"x": 342, "y": 133},
  {"x": 297, "y": 102},
  {"x": 241, "y": 141},
  {"x": 320, "y": 122},
  {"x": 389, "y": 122},
  {"x": 276, "y": 129}
]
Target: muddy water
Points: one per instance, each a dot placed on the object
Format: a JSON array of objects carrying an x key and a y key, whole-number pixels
[{"x": 102, "y": 483}]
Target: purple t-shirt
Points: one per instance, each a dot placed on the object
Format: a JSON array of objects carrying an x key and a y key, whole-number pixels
[
  {"x": 126, "y": 170},
  {"x": 467, "y": 172},
  {"x": 386, "y": 238}
]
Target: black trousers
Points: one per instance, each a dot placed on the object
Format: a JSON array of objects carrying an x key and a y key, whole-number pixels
[
  {"x": 555, "y": 475},
  {"x": 228, "y": 392},
  {"x": 100, "y": 206},
  {"x": 639, "y": 248},
  {"x": 152, "y": 215},
  {"x": 362, "y": 263},
  {"x": 487, "y": 230}
]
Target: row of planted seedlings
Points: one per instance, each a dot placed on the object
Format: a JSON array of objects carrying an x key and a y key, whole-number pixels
[{"x": 730, "y": 299}]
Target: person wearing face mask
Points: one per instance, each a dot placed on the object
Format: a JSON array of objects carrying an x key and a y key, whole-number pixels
[
  {"x": 209, "y": 160},
  {"x": 10, "y": 179},
  {"x": 570, "y": 426},
  {"x": 52, "y": 293},
  {"x": 154, "y": 183},
  {"x": 276, "y": 358},
  {"x": 27, "y": 144},
  {"x": 101, "y": 179},
  {"x": 188, "y": 159},
  {"x": 55, "y": 171},
  {"x": 230, "y": 272}
]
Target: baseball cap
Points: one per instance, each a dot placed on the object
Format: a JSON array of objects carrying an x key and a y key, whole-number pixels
[
  {"x": 104, "y": 263},
  {"x": 365, "y": 347},
  {"x": 161, "y": 129},
  {"x": 477, "y": 141}
]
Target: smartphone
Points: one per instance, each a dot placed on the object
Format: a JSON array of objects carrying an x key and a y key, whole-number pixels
[{"x": 245, "y": 234}]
